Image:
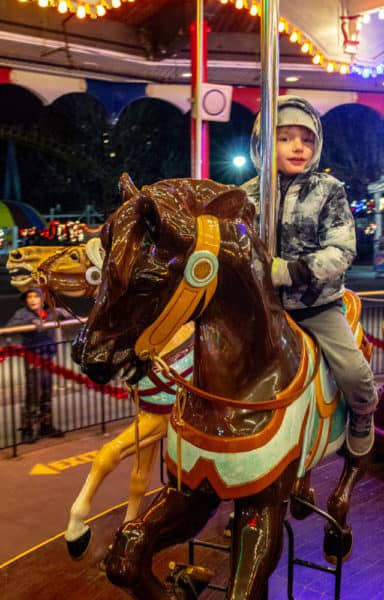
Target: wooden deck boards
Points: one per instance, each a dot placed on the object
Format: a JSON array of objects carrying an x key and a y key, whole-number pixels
[{"x": 49, "y": 574}]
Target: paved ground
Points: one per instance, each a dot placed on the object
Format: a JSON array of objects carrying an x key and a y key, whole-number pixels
[{"x": 34, "y": 509}]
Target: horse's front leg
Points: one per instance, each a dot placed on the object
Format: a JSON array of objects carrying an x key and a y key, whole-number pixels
[
  {"x": 151, "y": 429},
  {"x": 140, "y": 479},
  {"x": 336, "y": 542},
  {"x": 258, "y": 538},
  {"x": 302, "y": 489},
  {"x": 174, "y": 517}
]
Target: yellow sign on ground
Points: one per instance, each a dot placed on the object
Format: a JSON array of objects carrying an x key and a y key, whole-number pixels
[{"x": 54, "y": 468}]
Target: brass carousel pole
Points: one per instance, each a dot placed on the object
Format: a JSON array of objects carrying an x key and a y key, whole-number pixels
[
  {"x": 269, "y": 93},
  {"x": 198, "y": 123}
]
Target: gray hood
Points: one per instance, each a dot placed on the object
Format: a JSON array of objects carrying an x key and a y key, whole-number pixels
[{"x": 291, "y": 110}]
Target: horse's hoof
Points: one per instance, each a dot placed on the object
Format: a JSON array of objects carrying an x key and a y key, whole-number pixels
[
  {"x": 300, "y": 511},
  {"x": 229, "y": 527},
  {"x": 102, "y": 565},
  {"x": 77, "y": 548},
  {"x": 190, "y": 580},
  {"x": 337, "y": 544}
]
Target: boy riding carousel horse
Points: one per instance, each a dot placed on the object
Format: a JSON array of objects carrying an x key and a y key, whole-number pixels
[{"x": 315, "y": 246}]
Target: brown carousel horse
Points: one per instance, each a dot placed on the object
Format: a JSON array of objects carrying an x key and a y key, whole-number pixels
[
  {"x": 262, "y": 409},
  {"x": 75, "y": 271}
]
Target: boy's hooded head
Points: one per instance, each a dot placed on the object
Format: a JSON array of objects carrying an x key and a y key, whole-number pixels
[
  {"x": 291, "y": 110},
  {"x": 33, "y": 298},
  {"x": 34, "y": 290},
  {"x": 294, "y": 115}
]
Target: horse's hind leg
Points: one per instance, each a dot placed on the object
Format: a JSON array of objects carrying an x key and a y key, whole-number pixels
[
  {"x": 173, "y": 518},
  {"x": 336, "y": 542},
  {"x": 258, "y": 538}
]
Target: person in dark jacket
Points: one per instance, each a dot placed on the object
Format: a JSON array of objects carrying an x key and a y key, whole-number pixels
[
  {"x": 315, "y": 244},
  {"x": 36, "y": 417}
]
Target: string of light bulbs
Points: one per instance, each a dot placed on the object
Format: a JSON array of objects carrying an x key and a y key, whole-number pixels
[
  {"x": 98, "y": 8},
  {"x": 307, "y": 47},
  {"x": 81, "y": 8}
]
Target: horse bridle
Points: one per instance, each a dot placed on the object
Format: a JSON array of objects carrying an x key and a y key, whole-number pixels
[
  {"x": 92, "y": 275},
  {"x": 197, "y": 286}
]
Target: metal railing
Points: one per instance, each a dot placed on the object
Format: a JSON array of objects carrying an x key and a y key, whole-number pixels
[
  {"x": 372, "y": 319},
  {"x": 76, "y": 403}
]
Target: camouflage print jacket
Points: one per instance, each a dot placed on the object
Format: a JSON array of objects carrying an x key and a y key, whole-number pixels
[{"x": 315, "y": 227}]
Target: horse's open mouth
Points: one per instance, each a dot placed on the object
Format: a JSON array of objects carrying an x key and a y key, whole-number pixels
[{"x": 21, "y": 277}]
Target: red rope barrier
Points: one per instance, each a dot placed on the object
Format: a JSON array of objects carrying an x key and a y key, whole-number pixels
[
  {"x": 46, "y": 363},
  {"x": 377, "y": 342}
]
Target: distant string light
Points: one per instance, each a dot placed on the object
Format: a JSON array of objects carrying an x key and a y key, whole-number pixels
[
  {"x": 81, "y": 8},
  {"x": 296, "y": 36}
]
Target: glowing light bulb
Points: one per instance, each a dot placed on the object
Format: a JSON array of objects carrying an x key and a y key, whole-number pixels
[
  {"x": 381, "y": 14},
  {"x": 239, "y": 4},
  {"x": 43, "y": 3},
  {"x": 80, "y": 13},
  {"x": 116, "y": 3},
  {"x": 294, "y": 37},
  {"x": 366, "y": 18},
  {"x": 253, "y": 10},
  {"x": 305, "y": 48},
  {"x": 316, "y": 59},
  {"x": 281, "y": 26},
  {"x": 100, "y": 10},
  {"x": 62, "y": 7},
  {"x": 343, "y": 69},
  {"x": 330, "y": 67}
]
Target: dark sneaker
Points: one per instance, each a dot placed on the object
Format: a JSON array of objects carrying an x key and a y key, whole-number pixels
[
  {"x": 360, "y": 435},
  {"x": 28, "y": 436},
  {"x": 50, "y": 431}
]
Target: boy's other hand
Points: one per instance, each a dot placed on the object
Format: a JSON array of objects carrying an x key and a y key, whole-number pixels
[{"x": 280, "y": 273}]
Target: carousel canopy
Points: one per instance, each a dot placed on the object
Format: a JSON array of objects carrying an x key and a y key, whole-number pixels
[{"x": 329, "y": 45}]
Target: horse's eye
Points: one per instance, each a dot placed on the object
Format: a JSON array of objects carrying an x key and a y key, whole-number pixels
[{"x": 74, "y": 256}]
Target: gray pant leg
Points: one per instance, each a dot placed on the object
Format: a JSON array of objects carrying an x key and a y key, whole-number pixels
[{"x": 352, "y": 372}]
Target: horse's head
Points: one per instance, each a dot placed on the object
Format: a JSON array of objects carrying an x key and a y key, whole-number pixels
[
  {"x": 23, "y": 263},
  {"x": 158, "y": 246},
  {"x": 72, "y": 270}
]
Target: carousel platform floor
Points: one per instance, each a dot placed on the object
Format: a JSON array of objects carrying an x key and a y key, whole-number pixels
[{"x": 38, "y": 487}]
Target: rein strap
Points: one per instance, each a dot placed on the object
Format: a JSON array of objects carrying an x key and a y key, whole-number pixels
[{"x": 281, "y": 400}]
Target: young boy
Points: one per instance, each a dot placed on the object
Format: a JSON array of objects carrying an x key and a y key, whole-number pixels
[
  {"x": 36, "y": 418},
  {"x": 315, "y": 244}
]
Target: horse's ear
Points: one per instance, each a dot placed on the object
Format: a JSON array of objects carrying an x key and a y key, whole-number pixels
[
  {"x": 166, "y": 214},
  {"x": 148, "y": 210},
  {"x": 231, "y": 204},
  {"x": 127, "y": 188}
]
